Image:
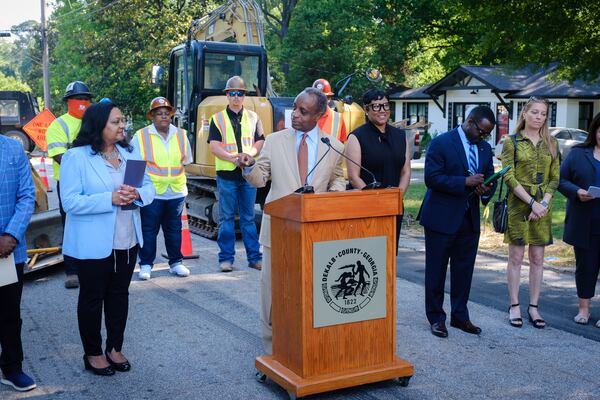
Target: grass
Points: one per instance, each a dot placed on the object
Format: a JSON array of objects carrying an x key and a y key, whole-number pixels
[{"x": 557, "y": 254}]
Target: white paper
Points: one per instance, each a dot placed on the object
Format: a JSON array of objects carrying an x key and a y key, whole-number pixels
[
  {"x": 8, "y": 271},
  {"x": 594, "y": 191}
]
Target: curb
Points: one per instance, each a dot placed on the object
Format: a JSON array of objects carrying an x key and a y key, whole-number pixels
[{"x": 560, "y": 270}]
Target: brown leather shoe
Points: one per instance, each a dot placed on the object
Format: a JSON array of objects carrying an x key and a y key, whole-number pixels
[
  {"x": 439, "y": 329},
  {"x": 466, "y": 326},
  {"x": 256, "y": 265}
]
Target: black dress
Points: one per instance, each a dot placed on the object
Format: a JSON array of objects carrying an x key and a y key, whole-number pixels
[{"x": 384, "y": 154}]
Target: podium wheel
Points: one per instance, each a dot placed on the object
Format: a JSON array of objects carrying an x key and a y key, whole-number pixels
[
  {"x": 403, "y": 381},
  {"x": 260, "y": 377}
]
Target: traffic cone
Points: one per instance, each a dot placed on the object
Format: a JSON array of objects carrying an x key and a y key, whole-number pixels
[
  {"x": 43, "y": 175},
  {"x": 186, "y": 238}
]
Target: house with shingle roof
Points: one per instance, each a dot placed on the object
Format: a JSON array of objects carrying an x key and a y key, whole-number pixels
[{"x": 505, "y": 90}]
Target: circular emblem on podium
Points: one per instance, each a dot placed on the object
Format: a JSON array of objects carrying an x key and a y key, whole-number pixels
[{"x": 350, "y": 280}]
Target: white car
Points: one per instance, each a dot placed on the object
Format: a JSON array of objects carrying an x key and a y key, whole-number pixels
[{"x": 566, "y": 137}]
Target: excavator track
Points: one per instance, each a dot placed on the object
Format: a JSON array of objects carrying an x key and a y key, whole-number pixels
[{"x": 203, "y": 228}]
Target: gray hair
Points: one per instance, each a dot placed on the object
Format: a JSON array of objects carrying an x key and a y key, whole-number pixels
[{"x": 321, "y": 98}]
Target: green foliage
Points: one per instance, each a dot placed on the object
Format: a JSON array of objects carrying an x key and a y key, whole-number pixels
[
  {"x": 20, "y": 60},
  {"x": 111, "y": 46},
  {"x": 12, "y": 83}
]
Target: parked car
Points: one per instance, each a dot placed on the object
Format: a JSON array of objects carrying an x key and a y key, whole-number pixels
[{"x": 566, "y": 137}]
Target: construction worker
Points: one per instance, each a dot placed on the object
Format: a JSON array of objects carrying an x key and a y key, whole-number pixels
[
  {"x": 235, "y": 131},
  {"x": 59, "y": 136},
  {"x": 166, "y": 150},
  {"x": 331, "y": 122}
]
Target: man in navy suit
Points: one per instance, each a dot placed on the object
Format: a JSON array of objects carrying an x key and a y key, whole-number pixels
[
  {"x": 456, "y": 165},
  {"x": 17, "y": 196}
]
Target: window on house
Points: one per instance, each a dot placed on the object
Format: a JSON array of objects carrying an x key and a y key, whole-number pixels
[
  {"x": 586, "y": 113},
  {"x": 416, "y": 112}
]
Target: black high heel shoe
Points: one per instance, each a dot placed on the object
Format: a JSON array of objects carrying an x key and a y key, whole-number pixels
[
  {"x": 121, "y": 367},
  {"x": 538, "y": 323},
  {"x": 97, "y": 371},
  {"x": 515, "y": 322}
]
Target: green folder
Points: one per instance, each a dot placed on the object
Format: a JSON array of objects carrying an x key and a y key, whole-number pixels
[{"x": 496, "y": 176}]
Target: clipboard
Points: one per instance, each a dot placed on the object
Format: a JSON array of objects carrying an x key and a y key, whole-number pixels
[{"x": 134, "y": 177}]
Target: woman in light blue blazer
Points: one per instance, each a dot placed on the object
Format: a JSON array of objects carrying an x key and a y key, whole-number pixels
[{"x": 101, "y": 236}]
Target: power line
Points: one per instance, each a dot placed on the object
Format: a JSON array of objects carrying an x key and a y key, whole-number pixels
[
  {"x": 85, "y": 16},
  {"x": 74, "y": 10}
]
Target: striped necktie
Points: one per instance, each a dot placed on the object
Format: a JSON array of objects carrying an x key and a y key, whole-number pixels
[{"x": 473, "y": 158}]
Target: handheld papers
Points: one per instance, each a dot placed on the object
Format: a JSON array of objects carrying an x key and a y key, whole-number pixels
[
  {"x": 8, "y": 271},
  {"x": 134, "y": 176},
  {"x": 594, "y": 191}
]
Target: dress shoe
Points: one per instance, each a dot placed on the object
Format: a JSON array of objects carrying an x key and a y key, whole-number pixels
[
  {"x": 72, "y": 281},
  {"x": 466, "y": 326},
  {"x": 98, "y": 371},
  {"x": 439, "y": 329},
  {"x": 121, "y": 367}
]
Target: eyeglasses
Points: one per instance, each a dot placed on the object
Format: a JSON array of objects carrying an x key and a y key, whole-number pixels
[
  {"x": 379, "y": 106},
  {"x": 481, "y": 132},
  {"x": 162, "y": 114},
  {"x": 236, "y": 94}
]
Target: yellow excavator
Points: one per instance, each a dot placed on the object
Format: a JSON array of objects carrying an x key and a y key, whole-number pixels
[{"x": 228, "y": 41}]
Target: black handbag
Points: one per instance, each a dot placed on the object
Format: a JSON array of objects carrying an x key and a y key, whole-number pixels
[{"x": 500, "y": 214}]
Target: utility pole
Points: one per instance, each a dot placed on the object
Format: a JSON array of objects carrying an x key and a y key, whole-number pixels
[{"x": 46, "y": 72}]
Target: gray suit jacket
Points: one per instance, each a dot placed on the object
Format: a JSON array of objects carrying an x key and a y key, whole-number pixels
[{"x": 278, "y": 161}]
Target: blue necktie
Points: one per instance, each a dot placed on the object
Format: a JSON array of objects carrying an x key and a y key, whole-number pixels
[{"x": 473, "y": 158}]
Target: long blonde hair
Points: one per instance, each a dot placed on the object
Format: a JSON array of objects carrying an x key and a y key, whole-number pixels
[{"x": 544, "y": 134}]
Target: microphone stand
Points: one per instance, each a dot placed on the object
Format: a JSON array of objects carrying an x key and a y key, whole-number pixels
[
  {"x": 373, "y": 185},
  {"x": 306, "y": 188}
]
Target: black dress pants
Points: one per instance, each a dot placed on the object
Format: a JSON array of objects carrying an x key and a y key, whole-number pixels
[
  {"x": 104, "y": 283},
  {"x": 460, "y": 249},
  {"x": 11, "y": 358},
  {"x": 587, "y": 266}
]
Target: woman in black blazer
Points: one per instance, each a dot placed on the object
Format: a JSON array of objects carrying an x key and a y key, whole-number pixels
[{"x": 579, "y": 171}]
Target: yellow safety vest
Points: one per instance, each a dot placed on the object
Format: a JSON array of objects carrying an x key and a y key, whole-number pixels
[
  {"x": 164, "y": 164},
  {"x": 223, "y": 124},
  {"x": 59, "y": 136}
]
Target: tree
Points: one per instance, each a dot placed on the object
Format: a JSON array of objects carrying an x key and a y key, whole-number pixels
[{"x": 112, "y": 45}]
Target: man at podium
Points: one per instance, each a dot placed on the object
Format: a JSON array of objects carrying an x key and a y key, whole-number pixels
[{"x": 289, "y": 158}]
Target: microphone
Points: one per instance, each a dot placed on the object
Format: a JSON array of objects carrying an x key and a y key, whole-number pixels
[
  {"x": 306, "y": 188},
  {"x": 374, "y": 184}
]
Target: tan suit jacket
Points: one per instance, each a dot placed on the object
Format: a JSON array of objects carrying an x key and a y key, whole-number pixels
[{"x": 278, "y": 161}]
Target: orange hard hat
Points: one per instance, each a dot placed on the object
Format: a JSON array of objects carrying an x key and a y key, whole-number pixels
[
  {"x": 324, "y": 86},
  {"x": 159, "y": 102}
]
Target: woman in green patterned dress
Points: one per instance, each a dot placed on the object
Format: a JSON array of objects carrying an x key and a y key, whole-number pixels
[{"x": 532, "y": 182}]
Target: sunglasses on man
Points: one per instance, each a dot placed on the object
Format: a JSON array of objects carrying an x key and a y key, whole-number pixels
[{"x": 236, "y": 94}]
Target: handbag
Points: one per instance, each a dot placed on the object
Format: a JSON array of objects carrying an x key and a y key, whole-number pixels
[{"x": 500, "y": 214}]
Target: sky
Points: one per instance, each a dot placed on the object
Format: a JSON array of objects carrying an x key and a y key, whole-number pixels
[{"x": 13, "y": 12}]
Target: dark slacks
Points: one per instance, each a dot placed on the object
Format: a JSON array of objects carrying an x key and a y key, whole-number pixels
[
  {"x": 165, "y": 214},
  {"x": 104, "y": 282},
  {"x": 460, "y": 249},
  {"x": 587, "y": 266},
  {"x": 70, "y": 266},
  {"x": 11, "y": 358}
]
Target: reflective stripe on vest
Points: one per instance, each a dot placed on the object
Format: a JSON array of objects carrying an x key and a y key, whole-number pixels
[
  {"x": 164, "y": 170},
  {"x": 65, "y": 127},
  {"x": 229, "y": 144}
]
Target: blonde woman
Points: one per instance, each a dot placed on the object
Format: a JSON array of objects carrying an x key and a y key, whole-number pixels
[{"x": 532, "y": 182}]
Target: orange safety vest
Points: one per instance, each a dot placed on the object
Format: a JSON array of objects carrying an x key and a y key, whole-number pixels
[{"x": 332, "y": 123}]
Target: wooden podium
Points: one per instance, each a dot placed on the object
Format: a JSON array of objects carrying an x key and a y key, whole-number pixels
[{"x": 308, "y": 359}]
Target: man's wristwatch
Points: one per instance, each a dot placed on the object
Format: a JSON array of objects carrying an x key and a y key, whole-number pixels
[{"x": 544, "y": 203}]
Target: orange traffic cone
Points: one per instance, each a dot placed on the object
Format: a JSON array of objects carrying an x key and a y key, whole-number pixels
[
  {"x": 186, "y": 238},
  {"x": 43, "y": 175}
]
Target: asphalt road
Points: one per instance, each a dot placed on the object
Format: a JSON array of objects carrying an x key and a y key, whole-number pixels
[{"x": 558, "y": 300}]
